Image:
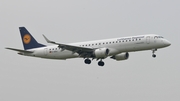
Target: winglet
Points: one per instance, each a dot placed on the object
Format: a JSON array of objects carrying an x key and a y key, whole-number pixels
[{"x": 48, "y": 41}]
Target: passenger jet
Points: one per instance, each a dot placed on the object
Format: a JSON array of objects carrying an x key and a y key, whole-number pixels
[{"x": 115, "y": 48}]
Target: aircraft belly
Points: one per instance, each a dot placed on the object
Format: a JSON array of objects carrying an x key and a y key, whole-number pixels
[
  {"x": 62, "y": 55},
  {"x": 113, "y": 51}
]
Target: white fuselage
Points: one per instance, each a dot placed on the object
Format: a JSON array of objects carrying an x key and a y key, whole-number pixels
[{"x": 115, "y": 46}]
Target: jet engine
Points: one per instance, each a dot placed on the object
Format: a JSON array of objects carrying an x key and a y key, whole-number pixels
[
  {"x": 101, "y": 52},
  {"x": 122, "y": 56}
]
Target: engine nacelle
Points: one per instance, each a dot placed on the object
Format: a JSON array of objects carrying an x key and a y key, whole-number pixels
[
  {"x": 122, "y": 56},
  {"x": 101, "y": 52}
]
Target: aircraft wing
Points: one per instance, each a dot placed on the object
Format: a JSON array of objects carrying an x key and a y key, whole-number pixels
[
  {"x": 82, "y": 51},
  {"x": 19, "y": 50}
]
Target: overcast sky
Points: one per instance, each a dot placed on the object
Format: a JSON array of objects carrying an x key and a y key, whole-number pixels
[{"x": 140, "y": 78}]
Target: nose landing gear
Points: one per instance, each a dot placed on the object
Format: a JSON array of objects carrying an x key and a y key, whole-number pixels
[
  {"x": 154, "y": 55},
  {"x": 153, "y": 51}
]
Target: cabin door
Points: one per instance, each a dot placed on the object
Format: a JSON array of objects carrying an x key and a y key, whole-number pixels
[
  {"x": 45, "y": 51},
  {"x": 148, "y": 39}
]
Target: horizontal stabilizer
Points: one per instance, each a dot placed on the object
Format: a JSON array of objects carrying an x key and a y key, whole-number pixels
[{"x": 19, "y": 50}]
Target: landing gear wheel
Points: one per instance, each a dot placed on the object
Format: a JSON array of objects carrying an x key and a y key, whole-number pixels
[
  {"x": 87, "y": 61},
  {"x": 154, "y": 55},
  {"x": 101, "y": 63}
]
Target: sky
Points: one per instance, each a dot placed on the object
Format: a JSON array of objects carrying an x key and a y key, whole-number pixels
[{"x": 140, "y": 78}]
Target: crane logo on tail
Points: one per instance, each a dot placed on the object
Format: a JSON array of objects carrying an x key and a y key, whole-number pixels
[{"x": 26, "y": 38}]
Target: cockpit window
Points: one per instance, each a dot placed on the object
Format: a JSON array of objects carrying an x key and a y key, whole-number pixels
[{"x": 158, "y": 37}]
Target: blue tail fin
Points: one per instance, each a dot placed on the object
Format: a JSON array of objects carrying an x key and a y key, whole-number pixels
[{"x": 28, "y": 40}]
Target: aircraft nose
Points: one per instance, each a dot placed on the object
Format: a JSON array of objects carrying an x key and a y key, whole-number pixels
[{"x": 167, "y": 43}]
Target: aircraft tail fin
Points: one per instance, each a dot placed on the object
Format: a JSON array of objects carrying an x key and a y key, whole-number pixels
[{"x": 28, "y": 40}]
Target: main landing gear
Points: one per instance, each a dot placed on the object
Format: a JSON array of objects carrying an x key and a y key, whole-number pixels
[
  {"x": 101, "y": 63},
  {"x": 153, "y": 51},
  {"x": 88, "y": 61}
]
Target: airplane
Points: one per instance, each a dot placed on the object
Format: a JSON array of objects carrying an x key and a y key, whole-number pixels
[{"x": 115, "y": 48}]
